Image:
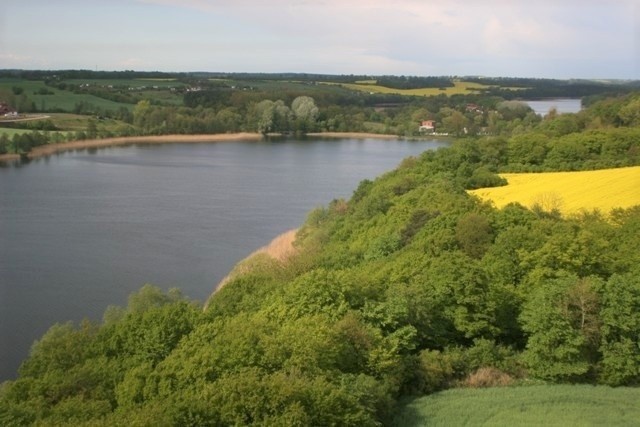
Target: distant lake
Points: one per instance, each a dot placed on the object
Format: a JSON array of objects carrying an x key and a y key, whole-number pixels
[
  {"x": 563, "y": 105},
  {"x": 82, "y": 230}
]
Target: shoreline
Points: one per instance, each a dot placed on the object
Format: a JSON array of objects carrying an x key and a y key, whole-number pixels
[
  {"x": 50, "y": 149},
  {"x": 356, "y": 135},
  {"x": 281, "y": 249}
]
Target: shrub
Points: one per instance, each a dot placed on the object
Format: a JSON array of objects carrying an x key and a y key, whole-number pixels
[{"x": 488, "y": 377}]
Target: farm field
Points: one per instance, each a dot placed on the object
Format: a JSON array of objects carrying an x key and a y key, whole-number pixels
[
  {"x": 63, "y": 122},
  {"x": 460, "y": 87},
  {"x": 548, "y": 405},
  {"x": 569, "y": 192},
  {"x": 60, "y": 100}
]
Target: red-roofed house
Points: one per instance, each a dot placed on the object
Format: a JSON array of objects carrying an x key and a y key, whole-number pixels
[{"x": 427, "y": 126}]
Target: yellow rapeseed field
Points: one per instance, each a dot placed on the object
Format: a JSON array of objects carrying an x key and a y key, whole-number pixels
[
  {"x": 570, "y": 192},
  {"x": 460, "y": 87}
]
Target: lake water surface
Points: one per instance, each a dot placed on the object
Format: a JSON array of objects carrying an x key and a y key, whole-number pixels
[{"x": 82, "y": 230}]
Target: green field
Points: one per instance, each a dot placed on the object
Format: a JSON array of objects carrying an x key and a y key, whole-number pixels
[
  {"x": 64, "y": 122},
  {"x": 548, "y": 405},
  {"x": 60, "y": 99},
  {"x": 65, "y": 100}
]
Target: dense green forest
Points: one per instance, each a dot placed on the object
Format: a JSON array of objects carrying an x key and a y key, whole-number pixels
[{"x": 409, "y": 287}]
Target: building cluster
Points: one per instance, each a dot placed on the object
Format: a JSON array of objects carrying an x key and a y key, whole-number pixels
[
  {"x": 429, "y": 126},
  {"x": 7, "y": 111}
]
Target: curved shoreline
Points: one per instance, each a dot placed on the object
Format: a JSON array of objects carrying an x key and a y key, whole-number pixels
[
  {"x": 49, "y": 149},
  {"x": 279, "y": 249},
  {"x": 358, "y": 135}
]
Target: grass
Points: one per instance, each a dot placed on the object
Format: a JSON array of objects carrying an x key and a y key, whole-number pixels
[
  {"x": 60, "y": 99},
  {"x": 548, "y": 405},
  {"x": 569, "y": 192},
  {"x": 64, "y": 100},
  {"x": 10, "y": 132},
  {"x": 66, "y": 122}
]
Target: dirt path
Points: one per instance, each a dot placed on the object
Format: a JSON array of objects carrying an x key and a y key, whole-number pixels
[{"x": 23, "y": 119}]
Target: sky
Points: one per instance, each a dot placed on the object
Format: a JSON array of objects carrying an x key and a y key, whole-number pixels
[{"x": 594, "y": 39}]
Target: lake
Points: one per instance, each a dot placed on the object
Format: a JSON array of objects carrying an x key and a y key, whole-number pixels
[
  {"x": 563, "y": 105},
  {"x": 82, "y": 230}
]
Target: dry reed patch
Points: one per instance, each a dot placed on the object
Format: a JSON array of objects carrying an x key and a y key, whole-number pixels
[
  {"x": 488, "y": 377},
  {"x": 277, "y": 252}
]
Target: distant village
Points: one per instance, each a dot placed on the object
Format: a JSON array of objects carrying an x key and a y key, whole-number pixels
[{"x": 429, "y": 126}]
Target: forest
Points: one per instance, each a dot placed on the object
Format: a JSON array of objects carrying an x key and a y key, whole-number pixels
[{"x": 409, "y": 287}]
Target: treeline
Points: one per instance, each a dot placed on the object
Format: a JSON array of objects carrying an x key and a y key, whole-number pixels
[
  {"x": 532, "y": 88},
  {"x": 409, "y": 287},
  {"x": 413, "y": 82},
  {"x": 221, "y": 109},
  {"x": 86, "y": 74}
]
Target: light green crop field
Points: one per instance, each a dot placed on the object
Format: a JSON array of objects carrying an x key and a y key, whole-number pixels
[
  {"x": 569, "y": 192},
  {"x": 540, "y": 405},
  {"x": 60, "y": 99}
]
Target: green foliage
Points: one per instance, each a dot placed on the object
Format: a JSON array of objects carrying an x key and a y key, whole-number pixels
[
  {"x": 474, "y": 234},
  {"x": 561, "y": 319},
  {"x": 411, "y": 286},
  {"x": 620, "y": 326}
]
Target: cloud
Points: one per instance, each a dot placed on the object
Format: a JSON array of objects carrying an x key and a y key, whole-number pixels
[
  {"x": 501, "y": 37},
  {"x": 13, "y": 60},
  {"x": 133, "y": 63}
]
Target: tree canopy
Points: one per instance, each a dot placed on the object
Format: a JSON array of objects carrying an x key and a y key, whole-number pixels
[{"x": 410, "y": 286}]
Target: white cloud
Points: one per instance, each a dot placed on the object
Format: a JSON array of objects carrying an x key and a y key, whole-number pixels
[
  {"x": 501, "y": 37},
  {"x": 13, "y": 60}
]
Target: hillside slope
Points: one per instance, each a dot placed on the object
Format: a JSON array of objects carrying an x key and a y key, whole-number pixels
[{"x": 409, "y": 287}]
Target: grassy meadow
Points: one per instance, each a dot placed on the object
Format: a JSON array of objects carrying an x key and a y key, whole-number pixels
[
  {"x": 548, "y": 405},
  {"x": 60, "y": 100},
  {"x": 64, "y": 122},
  {"x": 569, "y": 192}
]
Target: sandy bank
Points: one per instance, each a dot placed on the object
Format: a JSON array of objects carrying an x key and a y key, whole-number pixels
[
  {"x": 280, "y": 249},
  {"x": 47, "y": 150}
]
